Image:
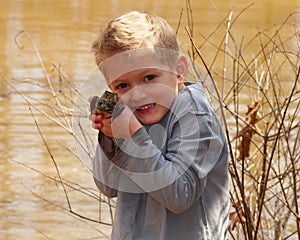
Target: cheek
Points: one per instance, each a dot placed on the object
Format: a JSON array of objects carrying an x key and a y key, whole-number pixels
[
  {"x": 122, "y": 98},
  {"x": 164, "y": 95}
]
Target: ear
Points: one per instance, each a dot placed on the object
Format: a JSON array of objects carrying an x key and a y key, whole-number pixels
[{"x": 182, "y": 67}]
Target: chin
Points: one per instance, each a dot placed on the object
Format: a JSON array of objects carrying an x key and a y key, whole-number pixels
[{"x": 149, "y": 121}]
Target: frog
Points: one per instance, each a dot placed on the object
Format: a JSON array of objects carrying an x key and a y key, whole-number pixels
[{"x": 108, "y": 104}]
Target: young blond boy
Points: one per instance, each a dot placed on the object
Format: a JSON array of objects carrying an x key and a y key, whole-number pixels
[{"x": 165, "y": 156}]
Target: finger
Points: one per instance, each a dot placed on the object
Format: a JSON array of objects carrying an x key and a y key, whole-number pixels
[
  {"x": 97, "y": 126},
  {"x": 96, "y": 118},
  {"x": 90, "y": 98},
  {"x": 106, "y": 130},
  {"x": 107, "y": 116},
  {"x": 104, "y": 115},
  {"x": 95, "y": 111},
  {"x": 93, "y": 103}
]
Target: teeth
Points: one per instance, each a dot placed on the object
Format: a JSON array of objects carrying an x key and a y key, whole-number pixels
[{"x": 146, "y": 107}]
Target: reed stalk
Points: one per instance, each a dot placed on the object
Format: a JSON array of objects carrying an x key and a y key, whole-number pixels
[{"x": 257, "y": 99}]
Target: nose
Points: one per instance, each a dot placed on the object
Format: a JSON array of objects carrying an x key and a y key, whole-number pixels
[{"x": 137, "y": 95}]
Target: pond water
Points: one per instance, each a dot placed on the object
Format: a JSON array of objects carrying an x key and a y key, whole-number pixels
[{"x": 62, "y": 31}]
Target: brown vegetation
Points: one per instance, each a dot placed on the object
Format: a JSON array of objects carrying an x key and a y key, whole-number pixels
[{"x": 263, "y": 144}]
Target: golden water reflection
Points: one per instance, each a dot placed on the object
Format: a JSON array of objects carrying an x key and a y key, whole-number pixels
[{"x": 62, "y": 32}]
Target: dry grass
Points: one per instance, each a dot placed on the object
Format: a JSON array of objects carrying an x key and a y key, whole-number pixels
[{"x": 256, "y": 95}]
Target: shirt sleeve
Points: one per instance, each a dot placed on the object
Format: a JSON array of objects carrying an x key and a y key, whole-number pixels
[
  {"x": 176, "y": 179},
  {"x": 107, "y": 176},
  {"x": 101, "y": 165}
]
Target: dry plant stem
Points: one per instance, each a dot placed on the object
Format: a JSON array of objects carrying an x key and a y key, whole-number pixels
[
  {"x": 293, "y": 170},
  {"x": 67, "y": 128},
  {"x": 284, "y": 201},
  {"x": 190, "y": 18},
  {"x": 110, "y": 206},
  {"x": 268, "y": 136},
  {"x": 35, "y": 107},
  {"x": 272, "y": 37},
  {"x": 69, "y": 209},
  {"x": 110, "y": 209},
  {"x": 210, "y": 75},
  {"x": 73, "y": 186},
  {"x": 38, "y": 231},
  {"x": 190, "y": 27},
  {"x": 225, "y": 51},
  {"x": 267, "y": 172},
  {"x": 179, "y": 21},
  {"x": 52, "y": 158},
  {"x": 66, "y": 209},
  {"x": 91, "y": 193},
  {"x": 240, "y": 186},
  {"x": 219, "y": 48},
  {"x": 43, "y": 67},
  {"x": 284, "y": 131},
  {"x": 263, "y": 47},
  {"x": 100, "y": 209},
  {"x": 248, "y": 226},
  {"x": 266, "y": 184}
]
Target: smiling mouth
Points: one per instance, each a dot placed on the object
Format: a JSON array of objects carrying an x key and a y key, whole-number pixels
[{"x": 146, "y": 107}]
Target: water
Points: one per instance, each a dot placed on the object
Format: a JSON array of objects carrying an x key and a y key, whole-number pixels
[{"x": 62, "y": 32}]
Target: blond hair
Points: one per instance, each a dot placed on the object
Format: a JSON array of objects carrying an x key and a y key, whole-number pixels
[{"x": 134, "y": 30}]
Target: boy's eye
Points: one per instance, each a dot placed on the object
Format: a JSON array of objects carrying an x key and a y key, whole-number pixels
[
  {"x": 122, "y": 85},
  {"x": 149, "y": 77}
]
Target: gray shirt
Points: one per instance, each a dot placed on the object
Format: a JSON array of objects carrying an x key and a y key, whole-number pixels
[{"x": 171, "y": 179}]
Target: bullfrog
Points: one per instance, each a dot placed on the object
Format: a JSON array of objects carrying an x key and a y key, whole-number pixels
[{"x": 107, "y": 103}]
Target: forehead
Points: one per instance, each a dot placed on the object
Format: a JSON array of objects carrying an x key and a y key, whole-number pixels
[{"x": 139, "y": 59}]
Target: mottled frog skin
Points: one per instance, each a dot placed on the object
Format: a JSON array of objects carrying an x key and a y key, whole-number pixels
[{"x": 107, "y": 103}]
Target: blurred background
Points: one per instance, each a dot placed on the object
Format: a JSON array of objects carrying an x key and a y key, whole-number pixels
[{"x": 60, "y": 34}]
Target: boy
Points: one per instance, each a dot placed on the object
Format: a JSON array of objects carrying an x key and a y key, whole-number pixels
[{"x": 165, "y": 155}]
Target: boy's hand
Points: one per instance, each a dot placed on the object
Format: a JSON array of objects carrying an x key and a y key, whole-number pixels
[
  {"x": 125, "y": 124},
  {"x": 122, "y": 126},
  {"x": 101, "y": 121}
]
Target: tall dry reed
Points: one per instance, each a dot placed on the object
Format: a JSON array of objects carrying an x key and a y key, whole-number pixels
[{"x": 256, "y": 95}]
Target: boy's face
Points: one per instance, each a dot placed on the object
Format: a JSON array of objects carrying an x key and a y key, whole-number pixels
[
  {"x": 149, "y": 92},
  {"x": 144, "y": 82}
]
